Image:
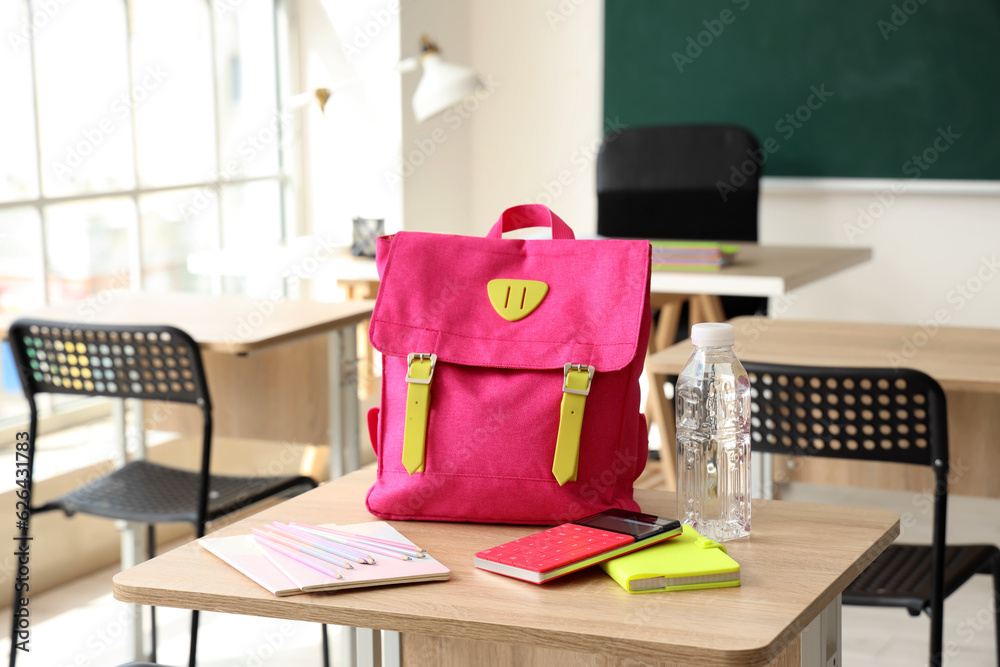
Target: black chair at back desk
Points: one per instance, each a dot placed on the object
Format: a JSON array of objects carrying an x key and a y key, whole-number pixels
[
  {"x": 159, "y": 363},
  {"x": 870, "y": 414},
  {"x": 686, "y": 182}
]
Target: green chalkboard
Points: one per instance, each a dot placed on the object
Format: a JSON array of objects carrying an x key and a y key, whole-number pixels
[{"x": 833, "y": 88}]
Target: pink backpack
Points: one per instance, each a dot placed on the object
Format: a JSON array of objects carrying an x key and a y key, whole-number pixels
[{"x": 510, "y": 386}]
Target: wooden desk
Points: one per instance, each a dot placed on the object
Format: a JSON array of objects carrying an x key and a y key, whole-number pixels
[
  {"x": 794, "y": 567},
  {"x": 262, "y": 386},
  {"x": 965, "y": 361}
]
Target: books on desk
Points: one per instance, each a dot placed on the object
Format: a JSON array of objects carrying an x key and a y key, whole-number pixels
[
  {"x": 692, "y": 255},
  {"x": 686, "y": 562},
  {"x": 284, "y": 564}
]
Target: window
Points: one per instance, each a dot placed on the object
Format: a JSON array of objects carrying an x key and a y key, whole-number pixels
[{"x": 135, "y": 132}]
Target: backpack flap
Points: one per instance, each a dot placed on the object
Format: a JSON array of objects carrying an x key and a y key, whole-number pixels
[{"x": 510, "y": 303}]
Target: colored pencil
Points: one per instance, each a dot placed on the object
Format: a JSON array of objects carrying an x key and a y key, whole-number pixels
[
  {"x": 296, "y": 556},
  {"x": 320, "y": 543},
  {"x": 384, "y": 551},
  {"x": 365, "y": 539},
  {"x": 304, "y": 548}
]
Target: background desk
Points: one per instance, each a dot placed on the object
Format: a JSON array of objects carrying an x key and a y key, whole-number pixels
[
  {"x": 965, "y": 361},
  {"x": 794, "y": 567}
]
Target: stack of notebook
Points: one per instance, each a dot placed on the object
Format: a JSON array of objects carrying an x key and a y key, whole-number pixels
[
  {"x": 691, "y": 255},
  {"x": 293, "y": 558},
  {"x": 686, "y": 562}
]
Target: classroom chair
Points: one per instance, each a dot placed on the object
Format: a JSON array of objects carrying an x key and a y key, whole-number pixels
[
  {"x": 874, "y": 414},
  {"x": 682, "y": 182},
  {"x": 159, "y": 363}
]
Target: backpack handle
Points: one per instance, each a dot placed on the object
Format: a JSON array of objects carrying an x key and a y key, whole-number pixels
[{"x": 530, "y": 215}]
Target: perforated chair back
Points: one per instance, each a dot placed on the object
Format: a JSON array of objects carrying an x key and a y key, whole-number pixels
[
  {"x": 145, "y": 362},
  {"x": 852, "y": 413},
  {"x": 664, "y": 182}
]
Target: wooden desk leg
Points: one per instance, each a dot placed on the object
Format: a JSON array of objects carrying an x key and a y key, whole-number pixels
[
  {"x": 659, "y": 411},
  {"x": 706, "y": 308},
  {"x": 670, "y": 317}
]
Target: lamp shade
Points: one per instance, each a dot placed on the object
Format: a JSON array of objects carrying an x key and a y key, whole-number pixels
[{"x": 443, "y": 85}]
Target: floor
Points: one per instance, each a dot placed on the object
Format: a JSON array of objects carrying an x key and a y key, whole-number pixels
[{"x": 81, "y": 625}]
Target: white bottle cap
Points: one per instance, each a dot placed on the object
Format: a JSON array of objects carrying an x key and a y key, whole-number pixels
[{"x": 713, "y": 334}]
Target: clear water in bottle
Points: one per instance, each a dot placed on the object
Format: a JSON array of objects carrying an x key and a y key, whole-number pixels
[{"x": 712, "y": 400}]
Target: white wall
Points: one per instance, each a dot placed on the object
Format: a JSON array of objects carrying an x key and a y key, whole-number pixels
[
  {"x": 933, "y": 255},
  {"x": 437, "y": 168},
  {"x": 352, "y": 49},
  {"x": 534, "y": 137}
]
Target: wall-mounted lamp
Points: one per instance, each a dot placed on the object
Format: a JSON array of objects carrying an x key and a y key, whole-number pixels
[{"x": 442, "y": 85}]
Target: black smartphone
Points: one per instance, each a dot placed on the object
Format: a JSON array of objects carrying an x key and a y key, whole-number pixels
[{"x": 638, "y": 525}]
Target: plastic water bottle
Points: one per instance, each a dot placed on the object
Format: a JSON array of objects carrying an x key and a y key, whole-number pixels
[{"x": 712, "y": 402}]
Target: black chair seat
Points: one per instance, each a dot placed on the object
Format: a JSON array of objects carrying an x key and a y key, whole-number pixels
[
  {"x": 153, "y": 493},
  {"x": 901, "y": 576}
]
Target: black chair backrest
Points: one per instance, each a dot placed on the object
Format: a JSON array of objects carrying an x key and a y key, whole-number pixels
[
  {"x": 873, "y": 414},
  {"x": 146, "y": 362},
  {"x": 679, "y": 182}
]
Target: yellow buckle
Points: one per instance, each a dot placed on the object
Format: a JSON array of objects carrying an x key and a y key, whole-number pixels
[
  {"x": 579, "y": 368},
  {"x": 409, "y": 366}
]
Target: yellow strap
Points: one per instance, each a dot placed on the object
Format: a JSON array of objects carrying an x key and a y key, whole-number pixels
[
  {"x": 567, "y": 455},
  {"x": 418, "y": 400}
]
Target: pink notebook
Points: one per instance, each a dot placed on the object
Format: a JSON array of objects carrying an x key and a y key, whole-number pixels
[{"x": 282, "y": 575}]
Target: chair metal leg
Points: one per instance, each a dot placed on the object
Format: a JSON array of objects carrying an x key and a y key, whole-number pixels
[
  {"x": 15, "y": 614},
  {"x": 194, "y": 639},
  {"x": 193, "y": 651},
  {"x": 996, "y": 601},
  {"x": 150, "y": 553}
]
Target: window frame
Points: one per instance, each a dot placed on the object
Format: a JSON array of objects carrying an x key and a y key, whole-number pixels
[{"x": 286, "y": 179}]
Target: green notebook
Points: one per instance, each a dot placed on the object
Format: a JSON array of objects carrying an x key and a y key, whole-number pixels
[{"x": 686, "y": 562}]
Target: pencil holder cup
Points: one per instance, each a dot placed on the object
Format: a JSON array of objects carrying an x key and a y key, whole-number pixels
[{"x": 366, "y": 230}]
